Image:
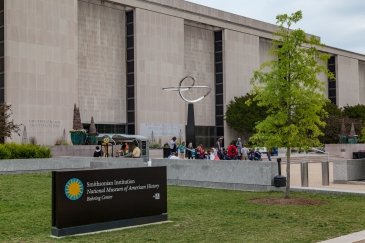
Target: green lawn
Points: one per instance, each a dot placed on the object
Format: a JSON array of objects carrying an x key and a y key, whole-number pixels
[{"x": 197, "y": 215}]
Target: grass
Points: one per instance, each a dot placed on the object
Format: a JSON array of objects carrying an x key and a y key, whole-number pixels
[{"x": 198, "y": 215}]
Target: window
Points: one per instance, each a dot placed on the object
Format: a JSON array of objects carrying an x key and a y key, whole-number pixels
[
  {"x": 332, "y": 90},
  {"x": 130, "y": 72},
  {"x": 218, "y": 58}
]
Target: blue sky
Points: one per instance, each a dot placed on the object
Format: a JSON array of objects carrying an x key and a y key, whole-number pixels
[{"x": 339, "y": 23}]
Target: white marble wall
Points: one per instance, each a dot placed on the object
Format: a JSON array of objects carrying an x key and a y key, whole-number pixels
[
  {"x": 101, "y": 61},
  {"x": 347, "y": 81},
  {"x": 241, "y": 58},
  {"x": 41, "y": 65},
  {"x": 199, "y": 63},
  {"x": 362, "y": 82},
  {"x": 265, "y": 46},
  {"x": 159, "y": 46}
]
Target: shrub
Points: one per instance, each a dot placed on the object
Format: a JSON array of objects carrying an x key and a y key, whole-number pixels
[
  {"x": 154, "y": 146},
  {"x": 23, "y": 151},
  {"x": 4, "y": 153}
]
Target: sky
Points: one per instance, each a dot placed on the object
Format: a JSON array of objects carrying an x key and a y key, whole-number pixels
[{"x": 339, "y": 23}]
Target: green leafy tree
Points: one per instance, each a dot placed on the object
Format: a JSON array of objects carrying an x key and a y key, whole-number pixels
[
  {"x": 355, "y": 112},
  {"x": 289, "y": 87},
  {"x": 362, "y": 135},
  {"x": 333, "y": 122},
  {"x": 7, "y": 125},
  {"x": 242, "y": 117}
]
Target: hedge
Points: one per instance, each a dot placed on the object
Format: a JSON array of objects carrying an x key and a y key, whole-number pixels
[{"x": 23, "y": 151}]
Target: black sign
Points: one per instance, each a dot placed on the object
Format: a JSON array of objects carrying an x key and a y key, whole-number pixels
[{"x": 97, "y": 196}]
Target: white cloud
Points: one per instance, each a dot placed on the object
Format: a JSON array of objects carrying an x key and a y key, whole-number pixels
[{"x": 339, "y": 23}]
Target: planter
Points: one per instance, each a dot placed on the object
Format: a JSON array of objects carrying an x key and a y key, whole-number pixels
[
  {"x": 91, "y": 140},
  {"x": 78, "y": 138}
]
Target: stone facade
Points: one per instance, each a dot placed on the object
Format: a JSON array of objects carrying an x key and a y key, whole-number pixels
[
  {"x": 101, "y": 61},
  {"x": 347, "y": 81},
  {"x": 159, "y": 63},
  {"x": 362, "y": 82},
  {"x": 199, "y": 63},
  {"x": 41, "y": 65}
]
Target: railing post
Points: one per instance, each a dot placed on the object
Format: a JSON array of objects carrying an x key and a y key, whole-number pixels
[
  {"x": 325, "y": 173},
  {"x": 304, "y": 173}
]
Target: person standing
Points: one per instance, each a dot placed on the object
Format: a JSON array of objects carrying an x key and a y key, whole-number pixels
[
  {"x": 219, "y": 145},
  {"x": 239, "y": 147},
  {"x": 181, "y": 149},
  {"x": 232, "y": 151},
  {"x": 190, "y": 151},
  {"x": 172, "y": 145},
  {"x": 244, "y": 153}
]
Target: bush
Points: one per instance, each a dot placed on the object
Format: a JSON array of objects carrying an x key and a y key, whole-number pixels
[
  {"x": 23, "y": 151},
  {"x": 4, "y": 153},
  {"x": 154, "y": 146}
]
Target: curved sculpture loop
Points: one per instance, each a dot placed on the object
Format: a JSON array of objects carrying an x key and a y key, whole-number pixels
[{"x": 182, "y": 88}]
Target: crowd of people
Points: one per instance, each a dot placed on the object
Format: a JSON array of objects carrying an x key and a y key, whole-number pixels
[
  {"x": 124, "y": 151},
  {"x": 234, "y": 151}
]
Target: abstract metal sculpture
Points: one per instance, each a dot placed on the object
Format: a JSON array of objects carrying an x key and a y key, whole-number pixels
[
  {"x": 183, "y": 88},
  {"x": 190, "y": 127}
]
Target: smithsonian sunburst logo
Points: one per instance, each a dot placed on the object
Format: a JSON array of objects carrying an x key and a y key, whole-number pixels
[{"x": 74, "y": 189}]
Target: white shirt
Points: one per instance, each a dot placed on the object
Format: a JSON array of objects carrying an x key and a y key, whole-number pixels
[
  {"x": 171, "y": 144},
  {"x": 244, "y": 151}
]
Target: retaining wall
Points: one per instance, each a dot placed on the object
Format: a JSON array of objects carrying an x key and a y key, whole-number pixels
[
  {"x": 348, "y": 170},
  {"x": 229, "y": 174}
]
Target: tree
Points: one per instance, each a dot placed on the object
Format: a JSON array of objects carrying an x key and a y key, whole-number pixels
[
  {"x": 355, "y": 112},
  {"x": 243, "y": 117},
  {"x": 7, "y": 125},
  {"x": 331, "y": 131},
  {"x": 289, "y": 87}
]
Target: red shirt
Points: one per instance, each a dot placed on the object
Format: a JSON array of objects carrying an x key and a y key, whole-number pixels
[{"x": 232, "y": 151}]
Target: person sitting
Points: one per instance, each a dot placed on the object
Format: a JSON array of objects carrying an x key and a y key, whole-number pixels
[
  {"x": 251, "y": 154},
  {"x": 122, "y": 151},
  {"x": 136, "y": 150},
  {"x": 98, "y": 152},
  {"x": 173, "y": 156},
  {"x": 257, "y": 155}
]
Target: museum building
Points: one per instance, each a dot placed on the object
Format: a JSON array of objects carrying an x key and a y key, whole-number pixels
[{"x": 112, "y": 59}]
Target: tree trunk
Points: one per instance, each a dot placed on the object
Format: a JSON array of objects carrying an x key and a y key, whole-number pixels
[{"x": 287, "y": 188}]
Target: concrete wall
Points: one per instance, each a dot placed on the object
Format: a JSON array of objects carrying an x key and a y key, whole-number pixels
[
  {"x": 101, "y": 60},
  {"x": 240, "y": 175},
  {"x": 199, "y": 63},
  {"x": 348, "y": 170},
  {"x": 29, "y": 165},
  {"x": 241, "y": 58},
  {"x": 159, "y": 51},
  {"x": 41, "y": 65},
  {"x": 347, "y": 81},
  {"x": 203, "y": 172},
  {"x": 344, "y": 150}
]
